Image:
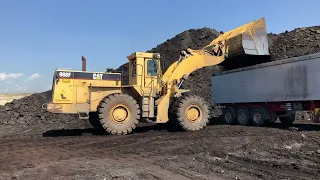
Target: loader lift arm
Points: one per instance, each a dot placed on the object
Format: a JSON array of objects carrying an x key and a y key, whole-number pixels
[{"x": 250, "y": 39}]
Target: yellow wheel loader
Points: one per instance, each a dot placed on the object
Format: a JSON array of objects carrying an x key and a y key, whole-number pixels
[{"x": 149, "y": 93}]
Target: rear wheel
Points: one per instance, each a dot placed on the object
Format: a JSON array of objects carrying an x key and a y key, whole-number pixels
[
  {"x": 94, "y": 121},
  {"x": 259, "y": 116},
  {"x": 191, "y": 112},
  {"x": 229, "y": 115},
  {"x": 243, "y": 116},
  {"x": 119, "y": 114}
]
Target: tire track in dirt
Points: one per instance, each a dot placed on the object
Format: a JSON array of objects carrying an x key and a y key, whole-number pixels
[
  {"x": 274, "y": 170},
  {"x": 186, "y": 154}
]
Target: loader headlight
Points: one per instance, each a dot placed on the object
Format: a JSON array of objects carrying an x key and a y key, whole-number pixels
[
  {"x": 157, "y": 56},
  {"x": 183, "y": 53}
]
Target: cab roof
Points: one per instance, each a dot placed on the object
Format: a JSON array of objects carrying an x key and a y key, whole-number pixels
[{"x": 143, "y": 55}]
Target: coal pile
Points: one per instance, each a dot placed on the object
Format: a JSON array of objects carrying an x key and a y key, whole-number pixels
[
  {"x": 27, "y": 111},
  {"x": 170, "y": 49},
  {"x": 298, "y": 42},
  {"x": 193, "y": 38}
]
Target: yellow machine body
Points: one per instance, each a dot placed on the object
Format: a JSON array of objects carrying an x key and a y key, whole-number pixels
[
  {"x": 78, "y": 91},
  {"x": 82, "y": 92}
]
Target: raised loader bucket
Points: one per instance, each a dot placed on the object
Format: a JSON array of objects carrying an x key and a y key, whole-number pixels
[{"x": 249, "y": 39}]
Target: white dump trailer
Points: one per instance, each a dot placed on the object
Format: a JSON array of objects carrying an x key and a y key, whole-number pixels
[{"x": 259, "y": 94}]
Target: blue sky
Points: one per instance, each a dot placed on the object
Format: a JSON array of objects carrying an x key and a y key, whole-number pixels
[{"x": 37, "y": 36}]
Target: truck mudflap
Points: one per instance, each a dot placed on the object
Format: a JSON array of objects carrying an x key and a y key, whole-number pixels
[{"x": 315, "y": 119}]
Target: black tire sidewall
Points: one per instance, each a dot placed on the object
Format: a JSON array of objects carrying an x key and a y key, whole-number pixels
[
  {"x": 112, "y": 101},
  {"x": 263, "y": 118},
  {"x": 184, "y": 104},
  {"x": 247, "y": 119},
  {"x": 229, "y": 110}
]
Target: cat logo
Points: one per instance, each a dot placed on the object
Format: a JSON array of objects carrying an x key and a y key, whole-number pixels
[{"x": 97, "y": 76}]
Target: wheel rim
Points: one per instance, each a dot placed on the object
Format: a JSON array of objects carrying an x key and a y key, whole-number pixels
[
  {"x": 193, "y": 114},
  {"x": 228, "y": 116},
  {"x": 241, "y": 116},
  {"x": 120, "y": 114},
  {"x": 257, "y": 117}
]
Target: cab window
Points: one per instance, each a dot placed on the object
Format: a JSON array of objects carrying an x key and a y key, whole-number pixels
[
  {"x": 152, "y": 67},
  {"x": 134, "y": 68}
]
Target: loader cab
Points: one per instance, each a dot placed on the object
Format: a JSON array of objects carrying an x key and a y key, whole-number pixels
[{"x": 145, "y": 72}]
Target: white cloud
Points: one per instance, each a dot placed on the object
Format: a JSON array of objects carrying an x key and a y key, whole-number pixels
[
  {"x": 5, "y": 76},
  {"x": 20, "y": 88},
  {"x": 9, "y": 82},
  {"x": 34, "y": 77}
]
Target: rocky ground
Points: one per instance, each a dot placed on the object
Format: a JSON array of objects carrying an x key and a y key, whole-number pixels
[
  {"x": 218, "y": 152},
  {"x": 39, "y": 145}
]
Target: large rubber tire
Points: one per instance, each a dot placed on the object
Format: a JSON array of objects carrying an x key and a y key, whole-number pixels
[
  {"x": 243, "y": 116},
  {"x": 191, "y": 112},
  {"x": 229, "y": 115},
  {"x": 121, "y": 105},
  {"x": 95, "y": 121},
  {"x": 259, "y": 116}
]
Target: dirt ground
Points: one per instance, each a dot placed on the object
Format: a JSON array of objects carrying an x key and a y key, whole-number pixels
[{"x": 152, "y": 152}]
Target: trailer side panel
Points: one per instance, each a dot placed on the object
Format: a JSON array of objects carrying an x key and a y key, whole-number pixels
[{"x": 295, "y": 79}]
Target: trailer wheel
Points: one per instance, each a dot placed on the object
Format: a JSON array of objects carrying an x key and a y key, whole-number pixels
[
  {"x": 243, "y": 116},
  {"x": 229, "y": 115},
  {"x": 258, "y": 116}
]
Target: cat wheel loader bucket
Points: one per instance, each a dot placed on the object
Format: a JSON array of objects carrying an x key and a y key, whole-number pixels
[
  {"x": 241, "y": 46},
  {"x": 249, "y": 39}
]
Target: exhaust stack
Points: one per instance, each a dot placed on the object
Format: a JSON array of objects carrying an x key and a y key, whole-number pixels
[{"x": 84, "y": 64}]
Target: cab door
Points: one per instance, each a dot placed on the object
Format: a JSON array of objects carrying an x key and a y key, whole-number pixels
[{"x": 151, "y": 74}]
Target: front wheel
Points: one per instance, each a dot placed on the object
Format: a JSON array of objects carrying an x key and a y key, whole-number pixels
[{"x": 191, "y": 112}]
